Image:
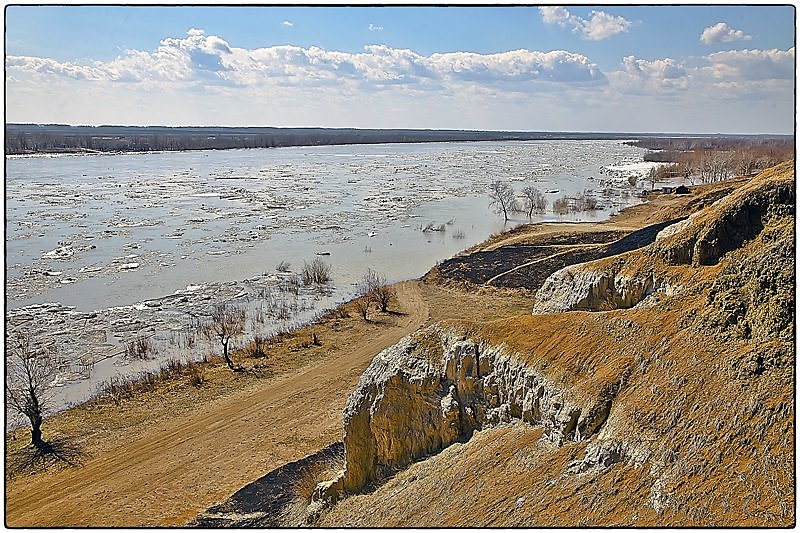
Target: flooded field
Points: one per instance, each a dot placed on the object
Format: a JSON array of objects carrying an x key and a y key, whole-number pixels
[{"x": 102, "y": 250}]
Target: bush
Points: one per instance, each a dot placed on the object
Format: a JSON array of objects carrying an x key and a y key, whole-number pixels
[
  {"x": 258, "y": 347},
  {"x": 316, "y": 273},
  {"x": 560, "y": 206},
  {"x": 197, "y": 376},
  {"x": 138, "y": 348}
]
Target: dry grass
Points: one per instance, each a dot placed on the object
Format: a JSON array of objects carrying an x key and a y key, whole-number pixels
[
  {"x": 708, "y": 437},
  {"x": 304, "y": 485}
]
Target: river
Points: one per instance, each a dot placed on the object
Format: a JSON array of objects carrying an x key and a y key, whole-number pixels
[{"x": 103, "y": 248}]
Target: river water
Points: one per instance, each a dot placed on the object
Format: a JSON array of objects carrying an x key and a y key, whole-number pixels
[{"x": 101, "y": 249}]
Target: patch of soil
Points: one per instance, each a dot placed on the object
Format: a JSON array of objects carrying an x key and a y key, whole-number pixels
[{"x": 527, "y": 266}]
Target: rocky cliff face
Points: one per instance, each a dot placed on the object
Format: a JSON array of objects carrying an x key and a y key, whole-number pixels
[
  {"x": 436, "y": 387},
  {"x": 596, "y": 286},
  {"x": 623, "y": 281}
]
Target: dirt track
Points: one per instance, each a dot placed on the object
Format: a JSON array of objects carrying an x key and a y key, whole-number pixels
[{"x": 178, "y": 468}]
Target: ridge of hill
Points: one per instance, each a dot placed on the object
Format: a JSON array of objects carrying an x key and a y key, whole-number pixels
[{"x": 650, "y": 388}]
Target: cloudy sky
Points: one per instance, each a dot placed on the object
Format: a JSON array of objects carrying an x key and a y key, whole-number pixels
[{"x": 707, "y": 68}]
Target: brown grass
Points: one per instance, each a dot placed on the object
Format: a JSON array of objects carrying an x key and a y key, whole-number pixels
[{"x": 707, "y": 435}]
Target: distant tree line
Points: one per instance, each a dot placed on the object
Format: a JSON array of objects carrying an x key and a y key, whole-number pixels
[
  {"x": 715, "y": 159},
  {"x": 55, "y": 138}
]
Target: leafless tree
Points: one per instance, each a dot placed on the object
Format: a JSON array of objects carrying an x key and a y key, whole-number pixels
[
  {"x": 652, "y": 177},
  {"x": 30, "y": 371},
  {"x": 561, "y": 206},
  {"x": 371, "y": 288},
  {"x": 376, "y": 285},
  {"x": 362, "y": 304},
  {"x": 534, "y": 200},
  {"x": 584, "y": 202},
  {"x": 227, "y": 322},
  {"x": 502, "y": 198},
  {"x": 317, "y": 272},
  {"x": 364, "y": 296}
]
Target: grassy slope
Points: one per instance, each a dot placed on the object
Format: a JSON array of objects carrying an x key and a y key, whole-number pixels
[{"x": 705, "y": 412}]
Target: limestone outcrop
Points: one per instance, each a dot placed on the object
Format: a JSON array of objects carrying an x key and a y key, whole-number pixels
[
  {"x": 596, "y": 286},
  {"x": 434, "y": 388},
  {"x": 730, "y": 222}
]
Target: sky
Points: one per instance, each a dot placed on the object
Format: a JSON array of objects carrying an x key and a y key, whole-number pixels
[{"x": 610, "y": 68}]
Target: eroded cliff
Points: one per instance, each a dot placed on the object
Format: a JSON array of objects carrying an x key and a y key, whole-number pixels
[{"x": 664, "y": 398}]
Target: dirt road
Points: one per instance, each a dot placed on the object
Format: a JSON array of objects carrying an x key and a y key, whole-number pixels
[{"x": 179, "y": 467}]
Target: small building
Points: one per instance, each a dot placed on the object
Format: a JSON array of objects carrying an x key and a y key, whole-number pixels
[
  {"x": 667, "y": 189},
  {"x": 681, "y": 189}
]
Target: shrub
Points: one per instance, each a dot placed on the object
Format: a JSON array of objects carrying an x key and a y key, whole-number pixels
[
  {"x": 197, "y": 376},
  {"x": 316, "y": 273}
]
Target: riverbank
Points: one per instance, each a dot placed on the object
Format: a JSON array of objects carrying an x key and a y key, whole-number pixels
[{"x": 160, "y": 457}]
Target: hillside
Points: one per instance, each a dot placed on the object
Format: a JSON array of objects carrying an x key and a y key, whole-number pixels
[{"x": 649, "y": 388}]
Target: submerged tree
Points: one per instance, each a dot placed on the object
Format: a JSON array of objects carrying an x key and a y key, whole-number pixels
[
  {"x": 30, "y": 371},
  {"x": 317, "y": 272},
  {"x": 502, "y": 198},
  {"x": 534, "y": 200},
  {"x": 227, "y": 322}
]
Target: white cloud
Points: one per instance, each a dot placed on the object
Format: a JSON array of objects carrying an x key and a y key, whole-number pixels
[
  {"x": 603, "y": 26},
  {"x": 752, "y": 64},
  {"x": 373, "y": 27},
  {"x": 517, "y": 65},
  {"x": 598, "y": 27},
  {"x": 737, "y": 76},
  {"x": 640, "y": 76},
  {"x": 555, "y": 15},
  {"x": 203, "y": 79},
  {"x": 201, "y": 58},
  {"x": 287, "y": 24},
  {"x": 722, "y": 33}
]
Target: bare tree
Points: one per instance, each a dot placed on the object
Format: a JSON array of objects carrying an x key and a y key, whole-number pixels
[
  {"x": 652, "y": 177},
  {"x": 364, "y": 294},
  {"x": 227, "y": 322},
  {"x": 560, "y": 206},
  {"x": 30, "y": 371},
  {"x": 534, "y": 200},
  {"x": 502, "y": 198},
  {"x": 317, "y": 272},
  {"x": 376, "y": 285},
  {"x": 362, "y": 304}
]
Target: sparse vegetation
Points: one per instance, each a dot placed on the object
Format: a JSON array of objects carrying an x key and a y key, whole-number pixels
[
  {"x": 432, "y": 226},
  {"x": 318, "y": 272},
  {"x": 259, "y": 346},
  {"x": 372, "y": 288},
  {"x": 138, "y": 348},
  {"x": 197, "y": 376},
  {"x": 227, "y": 323},
  {"x": 502, "y": 198},
  {"x": 561, "y": 206},
  {"x": 30, "y": 371},
  {"x": 534, "y": 201}
]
